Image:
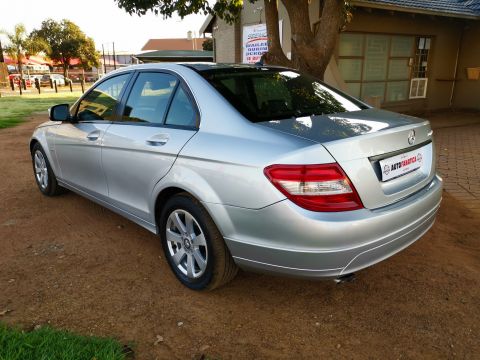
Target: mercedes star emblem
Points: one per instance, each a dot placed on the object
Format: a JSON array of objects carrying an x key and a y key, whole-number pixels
[{"x": 411, "y": 137}]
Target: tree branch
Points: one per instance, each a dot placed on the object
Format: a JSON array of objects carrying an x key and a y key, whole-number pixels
[
  {"x": 299, "y": 21},
  {"x": 330, "y": 25}
]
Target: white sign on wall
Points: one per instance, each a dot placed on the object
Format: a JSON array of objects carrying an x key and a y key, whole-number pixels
[{"x": 255, "y": 42}]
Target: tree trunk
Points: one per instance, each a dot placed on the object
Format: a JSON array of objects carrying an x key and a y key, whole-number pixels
[
  {"x": 311, "y": 52},
  {"x": 20, "y": 65},
  {"x": 275, "y": 54},
  {"x": 331, "y": 23},
  {"x": 65, "y": 68}
]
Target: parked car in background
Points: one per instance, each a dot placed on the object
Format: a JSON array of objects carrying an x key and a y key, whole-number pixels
[
  {"x": 32, "y": 78},
  {"x": 91, "y": 78},
  {"x": 258, "y": 167},
  {"x": 75, "y": 77},
  {"x": 58, "y": 78},
  {"x": 36, "y": 76},
  {"x": 16, "y": 79}
]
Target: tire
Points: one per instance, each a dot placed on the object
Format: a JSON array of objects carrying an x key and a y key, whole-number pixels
[
  {"x": 43, "y": 173},
  {"x": 199, "y": 262}
]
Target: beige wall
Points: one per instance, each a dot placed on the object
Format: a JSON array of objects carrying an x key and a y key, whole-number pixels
[
  {"x": 467, "y": 92},
  {"x": 446, "y": 39},
  {"x": 442, "y": 58},
  {"x": 226, "y": 42},
  {"x": 446, "y": 34}
]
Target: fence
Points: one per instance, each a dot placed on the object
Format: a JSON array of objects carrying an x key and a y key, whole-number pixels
[{"x": 53, "y": 83}]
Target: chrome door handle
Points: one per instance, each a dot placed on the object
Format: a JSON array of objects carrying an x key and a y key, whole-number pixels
[
  {"x": 159, "y": 142},
  {"x": 93, "y": 135},
  {"x": 158, "y": 139}
]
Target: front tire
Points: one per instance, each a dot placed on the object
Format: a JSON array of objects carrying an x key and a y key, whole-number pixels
[
  {"x": 42, "y": 170},
  {"x": 193, "y": 246}
]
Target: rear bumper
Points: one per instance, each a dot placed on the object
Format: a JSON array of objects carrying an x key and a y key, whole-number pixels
[{"x": 284, "y": 238}]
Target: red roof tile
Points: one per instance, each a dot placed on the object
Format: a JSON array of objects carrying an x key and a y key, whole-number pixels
[{"x": 174, "y": 44}]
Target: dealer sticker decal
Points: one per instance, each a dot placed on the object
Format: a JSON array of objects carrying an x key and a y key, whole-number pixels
[{"x": 402, "y": 164}]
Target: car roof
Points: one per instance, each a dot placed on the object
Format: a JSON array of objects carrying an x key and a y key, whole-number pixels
[
  {"x": 200, "y": 67},
  {"x": 197, "y": 67}
]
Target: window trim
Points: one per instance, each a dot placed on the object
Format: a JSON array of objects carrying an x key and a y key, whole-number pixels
[
  {"x": 181, "y": 82},
  {"x": 76, "y": 106}
]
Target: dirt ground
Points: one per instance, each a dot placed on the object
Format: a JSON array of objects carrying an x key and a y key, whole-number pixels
[{"x": 70, "y": 263}]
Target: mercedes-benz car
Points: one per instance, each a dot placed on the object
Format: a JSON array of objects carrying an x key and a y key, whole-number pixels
[{"x": 238, "y": 166}]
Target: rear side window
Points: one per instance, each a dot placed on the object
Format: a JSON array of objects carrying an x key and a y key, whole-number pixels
[
  {"x": 149, "y": 98},
  {"x": 265, "y": 94},
  {"x": 181, "y": 112},
  {"x": 100, "y": 103}
]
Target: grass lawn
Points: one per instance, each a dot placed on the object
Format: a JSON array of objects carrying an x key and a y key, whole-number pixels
[
  {"x": 46, "y": 343},
  {"x": 14, "y": 109}
]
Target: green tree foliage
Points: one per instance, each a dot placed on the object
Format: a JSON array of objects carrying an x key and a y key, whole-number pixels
[
  {"x": 226, "y": 9},
  {"x": 66, "y": 41},
  {"x": 89, "y": 56},
  {"x": 312, "y": 47},
  {"x": 21, "y": 46},
  {"x": 208, "y": 45}
]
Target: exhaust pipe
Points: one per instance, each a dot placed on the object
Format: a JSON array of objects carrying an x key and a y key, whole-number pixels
[{"x": 348, "y": 278}]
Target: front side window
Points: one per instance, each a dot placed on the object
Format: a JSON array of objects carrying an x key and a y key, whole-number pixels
[
  {"x": 149, "y": 98},
  {"x": 100, "y": 103},
  {"x": 264, "y": 94}
]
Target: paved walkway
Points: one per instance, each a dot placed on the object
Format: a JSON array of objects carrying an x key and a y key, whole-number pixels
[{"x": 458, "y": 156}]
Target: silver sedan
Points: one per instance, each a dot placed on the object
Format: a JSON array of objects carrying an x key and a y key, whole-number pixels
[{"x": 256, "y": 167}]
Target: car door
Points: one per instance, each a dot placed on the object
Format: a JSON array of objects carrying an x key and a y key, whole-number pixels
[
  {"x": 78, "y": 143},
  {"x": 158, "y": 118}
]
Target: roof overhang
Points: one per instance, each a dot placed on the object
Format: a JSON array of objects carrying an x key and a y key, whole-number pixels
[
  {"x": 412, "y": 10},
  {"x": 207, "y": 25},
  {"x": 175, "y": 56}
]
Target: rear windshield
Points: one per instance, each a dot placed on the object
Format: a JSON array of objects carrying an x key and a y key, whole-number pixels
[{"x": 265, "y": 94}]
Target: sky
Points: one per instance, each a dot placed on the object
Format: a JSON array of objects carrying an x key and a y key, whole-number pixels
[{"x": 102, "y": 20}]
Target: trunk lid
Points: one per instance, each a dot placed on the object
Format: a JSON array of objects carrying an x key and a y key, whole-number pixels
[{"x": 364, "y": 142}]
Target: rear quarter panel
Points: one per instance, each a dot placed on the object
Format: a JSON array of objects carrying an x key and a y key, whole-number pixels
[{"x": 225, "y": 168}]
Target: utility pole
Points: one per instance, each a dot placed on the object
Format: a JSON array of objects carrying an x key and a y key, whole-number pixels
[
  {"x": 104, "y": 65},
  {"x": 114, "y": 60}
]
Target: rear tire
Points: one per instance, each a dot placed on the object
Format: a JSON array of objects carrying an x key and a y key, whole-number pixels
[
  {"x": 193, "y": 246},
  {"x": 44, "y": 176}
]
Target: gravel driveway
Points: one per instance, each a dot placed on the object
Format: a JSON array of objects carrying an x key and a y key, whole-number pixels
[{"x": 72, "y": 264}]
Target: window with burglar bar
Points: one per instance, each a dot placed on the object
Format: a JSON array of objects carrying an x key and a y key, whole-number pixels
[{"x": 386, "y": 67}]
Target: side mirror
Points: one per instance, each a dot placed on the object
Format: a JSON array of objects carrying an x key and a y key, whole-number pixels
[{"x": 59, "y": 112}]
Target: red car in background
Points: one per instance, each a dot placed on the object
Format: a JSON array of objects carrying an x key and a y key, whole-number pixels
[{"x": 16, "y": 80}]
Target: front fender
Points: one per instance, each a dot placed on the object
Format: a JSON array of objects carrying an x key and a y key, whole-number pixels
[{"x": 42, "y": 135}]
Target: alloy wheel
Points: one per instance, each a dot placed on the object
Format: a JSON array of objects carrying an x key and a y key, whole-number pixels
[
  {"x": 186, "y": 244},
  {"x": 41, "y": 171}
]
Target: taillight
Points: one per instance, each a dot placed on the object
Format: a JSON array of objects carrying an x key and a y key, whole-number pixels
[{"x": 322, "y": 187}]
